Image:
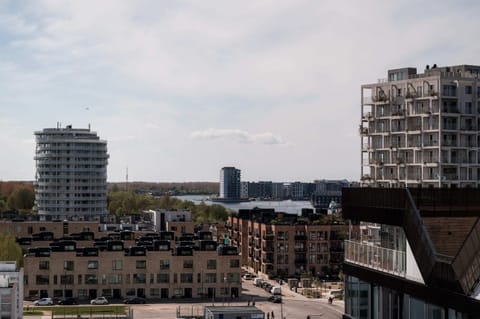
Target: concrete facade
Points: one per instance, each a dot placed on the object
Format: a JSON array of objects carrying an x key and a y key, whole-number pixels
[
  {"x": 421, "y": 129},
  {"x": 71, "y": 173}
]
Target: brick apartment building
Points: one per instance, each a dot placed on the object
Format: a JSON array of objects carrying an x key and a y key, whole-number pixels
[
  {"x": 75, "y": 259},
  {"x": 280, "y": 244}
]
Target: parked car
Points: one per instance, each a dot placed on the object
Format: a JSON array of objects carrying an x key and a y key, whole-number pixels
[
  {"x": 134, "y": 300},
  {"x": 43, "y": 302},
  {"x": 275, "y": 299},
  {"x": 99, "y": 301},
  {"x": 276, "y": 290},
  {"x": 257, "y": 281},
  {"x": 248, "y": 276},
  {"x": 68, "y": 301}
]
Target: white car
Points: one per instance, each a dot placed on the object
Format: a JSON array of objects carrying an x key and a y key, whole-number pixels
[
  {"x": 99, "y": 301},
  {"x": 43, "y": 302}
]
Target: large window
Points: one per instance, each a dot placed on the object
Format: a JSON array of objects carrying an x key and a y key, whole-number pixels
[
  {"x": 163, "y": 278},
  {"x": 91, "y": 279},
  {"x": 211, "y": 264},
  {"x": 164, "y": 264},
  {"x": 235, "y": 263},
  {"x": 186, "y": 278},
  {"x": 115, "y": 279},
  {"x": 92, "y": 264},
  {"x": 188, "y": 263},
  {"x": 68, "y": 265},
  {"x": 210, "y": 278},
  {"x": 42, "y": 280},
  {"x": 141, "y": 264},
  {"x": 117, "y": 264},
  {"x": 44, "y": 265},
  {"x": 139, "y": 278}
]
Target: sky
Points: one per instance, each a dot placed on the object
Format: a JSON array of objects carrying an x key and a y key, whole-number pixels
[{"x": 180, "y": 89}]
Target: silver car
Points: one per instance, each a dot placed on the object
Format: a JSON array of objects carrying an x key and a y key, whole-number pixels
[
  {"x": 43, "y": 302},
  {"x": 99, "y": 301}
]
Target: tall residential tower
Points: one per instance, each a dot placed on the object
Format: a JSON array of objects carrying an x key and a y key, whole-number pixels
[
  {"x": 229, "y": 183},
  {"x": 71, "y": 173},
  {"x": 422, "y": 128}
]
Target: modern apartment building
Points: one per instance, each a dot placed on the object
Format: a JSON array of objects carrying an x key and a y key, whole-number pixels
[
  {"x": 71, "y": 173},
  {"x": 288, "y": 245},
  {"x": 417, "y": 254},
  {"x": 11, "y": 290},
  {"x": 154, "y": 265},
  {"x": 230, "y": 183},
  {"x": 421, "y": 128}
]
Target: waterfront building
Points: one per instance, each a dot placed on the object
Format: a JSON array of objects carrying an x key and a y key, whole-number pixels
[
  {"x": 229, "y": 183},
  {"x": 11, "y": 290},
  {"x": 71, "y": 174},
  {"x": 328, "y": 191},
  {"x": 279, "y": 244},
  {"x": 421, "y": 128}
]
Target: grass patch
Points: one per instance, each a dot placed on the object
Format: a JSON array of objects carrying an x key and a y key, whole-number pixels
[
  {"x": 86, "y": 310},
  {"x": 32, "y": 312}
]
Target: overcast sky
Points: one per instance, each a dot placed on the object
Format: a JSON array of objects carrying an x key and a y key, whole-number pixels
[{"x": 180, "y": 89}]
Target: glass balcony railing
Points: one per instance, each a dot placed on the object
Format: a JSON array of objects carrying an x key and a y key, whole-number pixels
[{"x": 375, "y": 257}]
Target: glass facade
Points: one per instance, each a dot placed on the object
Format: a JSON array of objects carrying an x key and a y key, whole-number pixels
[{"x": 365, "y": 300}]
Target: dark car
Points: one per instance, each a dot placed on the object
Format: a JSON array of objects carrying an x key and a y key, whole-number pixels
[
  {"x": 275, "y": 299},
  {"x": 134, "y": 300},
  {"x": 68, "y": 301}
]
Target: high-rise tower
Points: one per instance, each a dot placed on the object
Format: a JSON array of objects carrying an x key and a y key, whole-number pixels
[
  {"x": 230, "y": 183},
  {"x": 71, "y": 173},
  {"x": 422, "y": 128}
]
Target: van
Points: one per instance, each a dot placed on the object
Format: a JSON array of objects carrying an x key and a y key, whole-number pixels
[
  {"x": 257, "y": 281},
  {"x": 335, "y": 293},
  {"x": 276, "y": 290}
]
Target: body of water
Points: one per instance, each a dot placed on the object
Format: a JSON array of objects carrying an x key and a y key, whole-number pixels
[{"x": 286, "y": 206}]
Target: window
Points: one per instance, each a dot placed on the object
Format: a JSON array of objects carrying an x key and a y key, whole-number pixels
[
  {"x": 79, "y": 279},
  {"x": 66, "y": 279},
  {"x": 68, "y": 265},
  {"x": 117, "y": 264},
  {"x": 92, "y": 264},
  {"x": 235, "y": 263},
  {"x": 186, "y": 278},
  {"x": 163, "y": 278},
  {"x": 115, "y": 279},
  {"x": 188, "y": 264},
  {"x": 91, "y": 279},
  {"x": 82, "y": 293},
  {"x": 211, "y": 264},
  {"x": 44, "y": 265},
  {"x": 164, "y": 264},
  {"x": 42, "y": 280},
  {"x": 468, "y": 89},
  {"x": 139, "y": 278},
  {"x": 141, "y": 264},
  {"x": 210, "y": 278}
]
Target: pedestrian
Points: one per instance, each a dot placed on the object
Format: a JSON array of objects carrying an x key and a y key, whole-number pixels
[
  {"x": 268, "y": 315},
  {"x": 273, "y": 315}
]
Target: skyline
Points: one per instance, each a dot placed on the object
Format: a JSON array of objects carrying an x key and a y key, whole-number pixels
[{"x": 181, "y": 89}]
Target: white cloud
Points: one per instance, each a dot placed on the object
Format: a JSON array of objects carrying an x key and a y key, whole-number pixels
[{"x": 238, "y": 136}]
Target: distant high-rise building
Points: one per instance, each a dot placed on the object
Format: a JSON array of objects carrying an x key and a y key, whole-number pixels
[
  {"x": 71, "y": 173},
  {"x": 230, "y": 183},
  {"x": 422, "y": 129}
]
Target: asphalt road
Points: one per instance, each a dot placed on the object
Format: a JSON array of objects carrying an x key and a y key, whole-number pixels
[{"x": 295, "y": 306}]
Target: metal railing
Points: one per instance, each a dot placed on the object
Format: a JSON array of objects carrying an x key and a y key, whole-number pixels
[{"x": 376, "y": 257}]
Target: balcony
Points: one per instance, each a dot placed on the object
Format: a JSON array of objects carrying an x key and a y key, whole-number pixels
[{"x": 375, "y": 257}]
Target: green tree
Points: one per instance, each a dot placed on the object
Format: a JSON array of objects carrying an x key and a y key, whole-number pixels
[
  {"x": 10, "y": 250},
  {"x": 21, "y": 199}
]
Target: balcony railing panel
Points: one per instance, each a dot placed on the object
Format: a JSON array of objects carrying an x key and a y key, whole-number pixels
[{"x": 376, "y": 257}]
